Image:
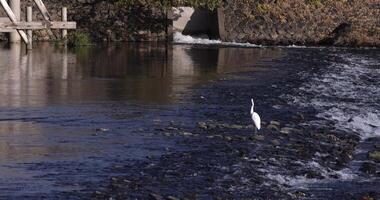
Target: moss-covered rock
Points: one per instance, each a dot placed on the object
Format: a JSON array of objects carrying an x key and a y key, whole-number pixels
[{"x": 374, "y": 155}]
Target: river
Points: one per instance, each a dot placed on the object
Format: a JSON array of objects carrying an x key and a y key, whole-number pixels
[{"x": 139, "y": 120}]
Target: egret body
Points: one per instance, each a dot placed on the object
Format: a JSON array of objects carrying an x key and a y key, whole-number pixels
[{"x": 255, "y": 117}]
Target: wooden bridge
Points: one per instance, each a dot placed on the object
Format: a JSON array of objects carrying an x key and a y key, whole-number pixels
[{"x": 16, "y": 27}]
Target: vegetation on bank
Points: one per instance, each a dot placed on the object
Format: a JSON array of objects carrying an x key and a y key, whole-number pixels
[
  {"x": 75, "y": 39},
  {"x": 209, "y": 4},
  {"x": 78, "y": 39}
]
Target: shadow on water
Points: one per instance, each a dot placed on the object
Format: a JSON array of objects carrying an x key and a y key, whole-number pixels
[{"x": 54, "y": 101}]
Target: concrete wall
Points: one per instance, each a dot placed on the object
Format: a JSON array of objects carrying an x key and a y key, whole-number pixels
[{"x": 199, "y": 22}]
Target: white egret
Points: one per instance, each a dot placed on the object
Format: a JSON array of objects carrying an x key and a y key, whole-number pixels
[{"x": 255, "y": 117}]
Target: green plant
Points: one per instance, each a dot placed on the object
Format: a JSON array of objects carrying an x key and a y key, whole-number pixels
[
  {"x": 315, "y": 2},
  {"x": 76, "y": 39}
]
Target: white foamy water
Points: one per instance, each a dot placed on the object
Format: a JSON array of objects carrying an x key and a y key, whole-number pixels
[
  {"x": 301, "y": 181},
  {"x": 347, "y": 93},
  {"x": 187, "y": 39},
  {"x": 179, "y": 38}
]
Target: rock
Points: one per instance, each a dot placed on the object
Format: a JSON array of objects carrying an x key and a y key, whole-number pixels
[
  {"x": 276, "y": 123},
  {"x": 170, "y": 128},
  {"x": 172, "y": 198},
  {"x": 288, "y": 130},
  {"x": 275, "y": 142},
  {"x": 300, "y": 194},
  {"x": 127, "y": 181},
  {"x": 156, "y": 196},
  {"x": 285, "y": 130},
  {"x": 368, "y": 168},
  {"x": 102, "y": 129},
  {"x": 278, "y": 107},
  {"x": 251, "y": 126},
  {"x": 237, "y": 126},
  {"x": 202, "y": 125},
  {"x": 228, "y": 138},
  {"x": 186, "y": 134},
  {"x": 367, "y": 198},
  {"x": 299, "y": 117},
  {"x": 211, "y": 126},
  {"x": 273, "y": 127},
  {"x": 314, "y": 175},
  {"x": 258, "y": 137},
  {"x": 332, "y": 138},
  {"x": 374, "y": 155},
  {"x": 218, "y": 136}
]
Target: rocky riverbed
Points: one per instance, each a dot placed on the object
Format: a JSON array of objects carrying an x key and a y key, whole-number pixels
[{"x": 299, "y": 153}]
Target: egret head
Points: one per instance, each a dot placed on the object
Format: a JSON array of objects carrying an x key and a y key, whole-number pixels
[{"x": 253, "y": 103}]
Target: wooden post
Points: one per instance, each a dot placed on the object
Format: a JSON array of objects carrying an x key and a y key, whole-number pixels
[
  {"x": 29, "y": 18},
  {"x": 16, "y": 8},
  {"x": 64, "y": 19},
  {"x": 169, "y": 25},
  {"x": 13, "y": 19}
]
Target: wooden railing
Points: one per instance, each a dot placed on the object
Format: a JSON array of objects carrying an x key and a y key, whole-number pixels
[{"x": 13, "y": 24}]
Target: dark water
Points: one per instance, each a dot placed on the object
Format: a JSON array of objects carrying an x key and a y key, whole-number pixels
[
  {"x": 70, "y": 118},
  {"x": 53, "y": 103}
]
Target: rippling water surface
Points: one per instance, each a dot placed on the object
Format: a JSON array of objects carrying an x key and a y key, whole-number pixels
[
  {"x": 68, "y": 116},
  {"x": 55, "y": 104}
]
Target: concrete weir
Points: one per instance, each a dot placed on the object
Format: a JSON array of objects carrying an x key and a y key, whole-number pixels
[{"x": 199, "y": 22}]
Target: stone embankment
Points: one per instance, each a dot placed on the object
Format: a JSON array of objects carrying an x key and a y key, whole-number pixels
[
  {"x": 268, "y": 22},
  {"x": 310, "y": 22}
]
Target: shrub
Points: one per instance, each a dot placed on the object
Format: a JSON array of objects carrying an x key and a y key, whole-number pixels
[{"x": 76, "y": 39}]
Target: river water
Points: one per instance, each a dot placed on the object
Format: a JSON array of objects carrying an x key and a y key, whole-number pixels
[{"x": 70, "y": 119}]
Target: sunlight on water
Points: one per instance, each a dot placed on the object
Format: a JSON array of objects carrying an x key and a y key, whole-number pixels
[{"x": 348, "y": 93}]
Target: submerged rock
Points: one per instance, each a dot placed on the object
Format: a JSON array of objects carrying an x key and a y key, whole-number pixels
[
  {"x": 172, "y": 198},
  {"x": 276, "y": 123},
  {"x": 288, "y": 130},
  {"x": 273, "y": 127},
  {"x": 235, "y": 126},
  {"x": 186, "y": 134},
  {"x": 102, "y": 129},
  {"x": 276, "y": 142},
  {"x": 332, "y": 138},
  {"x": 368, "y": 168},
  {"x": 202, "y": 125},
  {"x": 374, "y": 155},
  {"x": 314, "y": 175},
  {"x": 258, "y": 137},
  {"x": 156, "y": 196}
]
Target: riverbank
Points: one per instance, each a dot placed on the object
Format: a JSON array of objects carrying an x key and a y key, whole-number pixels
[
  {"x": 290, "y": 22},
  {"x": 311, "y": 22},
  {"x": 301, "y": 152}
]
